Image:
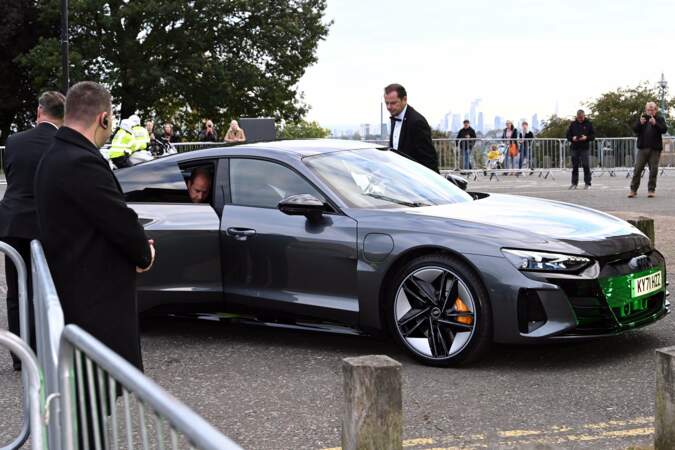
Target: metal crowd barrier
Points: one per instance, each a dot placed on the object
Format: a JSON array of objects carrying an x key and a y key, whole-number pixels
[
  {"x": 91, "y": 378},
  {"x": 541, "y": 155},
  {"x": 30, "y": 374},
  {"x": 49, "y": 325},
  {"x": 12, "y": 255},
  {"x": 182, "y": 147},
  {"x": 82, "y": 378}
]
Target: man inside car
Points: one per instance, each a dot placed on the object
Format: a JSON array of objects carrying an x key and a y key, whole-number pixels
[{"x": 199, "y": 185}]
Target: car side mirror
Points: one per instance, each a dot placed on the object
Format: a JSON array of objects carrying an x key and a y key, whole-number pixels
[
  {"x": 302, "y": 205},
  {"x": 458, "y": 181}
]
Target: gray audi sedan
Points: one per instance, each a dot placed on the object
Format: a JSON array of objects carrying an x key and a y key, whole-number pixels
[{"x": 329, "y": 233}]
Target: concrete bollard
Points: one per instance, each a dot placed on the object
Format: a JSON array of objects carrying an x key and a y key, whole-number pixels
[
  {"x": 646, "y": 225},
  {"x": 373, "y": 415},
  {"x": 664, "y": 423}
]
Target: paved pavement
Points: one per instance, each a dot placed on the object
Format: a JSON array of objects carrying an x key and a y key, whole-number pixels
[{"x": 280, "y": 389}]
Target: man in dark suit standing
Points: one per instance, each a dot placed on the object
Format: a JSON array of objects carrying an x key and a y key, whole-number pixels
[
  {"x": 410, "y": 133},
  {"x": 18, "y": 219},
  {"x": 93, "y": 241}
]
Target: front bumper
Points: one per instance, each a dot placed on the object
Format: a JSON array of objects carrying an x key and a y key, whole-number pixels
[{"x": 580, "y": 306}]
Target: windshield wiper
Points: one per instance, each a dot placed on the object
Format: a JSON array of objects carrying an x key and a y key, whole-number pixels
[{"x": 396, "y": 200}]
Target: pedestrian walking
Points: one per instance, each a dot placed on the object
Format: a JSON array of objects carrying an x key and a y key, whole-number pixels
[
  {"x": 410, "y": 132},
  {"x": 18, "y": 217},
  {"x": 580, "y": 133},
  {"x": 93, "y": 241},
  {"x": 525, "y": 146},
  {"x": 510, "y": 136},
  {"x": 467, "y": 139},
  {"x": 649, "y": 128}
]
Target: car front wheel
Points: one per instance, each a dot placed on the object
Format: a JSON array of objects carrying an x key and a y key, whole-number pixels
[{"x": 438, "y": 311}]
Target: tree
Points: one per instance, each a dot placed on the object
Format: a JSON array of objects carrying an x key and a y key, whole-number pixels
[
  {"x": 438, "y": 134},
  {"x": 614, "y": 112},
  {"x": 187, "y": 60},
  {"x": 554, "y": 128},
  {"x": 18, "y": 34},
  {"x": 301, "y": 129}
]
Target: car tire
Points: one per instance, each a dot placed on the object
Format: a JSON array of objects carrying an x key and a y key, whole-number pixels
[{"x": 438, "y": 310}]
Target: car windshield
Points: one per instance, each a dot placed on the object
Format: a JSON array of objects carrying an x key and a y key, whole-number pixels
[{"x": 373, "y": 178}]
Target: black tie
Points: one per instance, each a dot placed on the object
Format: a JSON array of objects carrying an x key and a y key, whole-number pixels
[{"x": 391, "y": 132}]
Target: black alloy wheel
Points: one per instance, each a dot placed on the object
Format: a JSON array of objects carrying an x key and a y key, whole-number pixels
[{"x": 439, "y": 311}]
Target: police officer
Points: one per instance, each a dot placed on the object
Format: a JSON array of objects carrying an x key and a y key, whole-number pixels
[
  {"x": 122, "y": 144},
  {"x": 140, "y": 133}
]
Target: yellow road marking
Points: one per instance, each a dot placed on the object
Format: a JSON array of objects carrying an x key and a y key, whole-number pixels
[
  {"x": 517, "y": 433},
  {"x": 553, "y": 435},
  {"x": 420, "y": 441}
]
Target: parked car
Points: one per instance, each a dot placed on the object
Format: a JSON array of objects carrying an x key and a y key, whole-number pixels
[{"x": 343, "y": 232}]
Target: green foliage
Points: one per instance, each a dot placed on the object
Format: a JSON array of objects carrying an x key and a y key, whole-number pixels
[
  {"x": 438, "y": 134},
  {"x": 184, "y": 60},
  {"x": 614, "y": 112},
  {"x": 554, "y": 128},
  {"x": 301, "y": 129},
  {"x": 18, "y": 34}
]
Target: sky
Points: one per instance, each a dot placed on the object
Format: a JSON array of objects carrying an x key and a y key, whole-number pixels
[{"x": 519, "y": 57}]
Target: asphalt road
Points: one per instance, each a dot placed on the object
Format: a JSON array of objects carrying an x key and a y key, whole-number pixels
[{"x": 280, "y": 389}]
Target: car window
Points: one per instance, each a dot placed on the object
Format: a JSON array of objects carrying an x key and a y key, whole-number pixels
[
  {"x": 152, "y": 182},
  {"x": 264, "y": 184}
]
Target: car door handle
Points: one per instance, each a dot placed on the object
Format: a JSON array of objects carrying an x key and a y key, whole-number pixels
[{"x": 240, "y": 234}]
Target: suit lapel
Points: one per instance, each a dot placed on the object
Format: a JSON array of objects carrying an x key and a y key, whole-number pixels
[{"x": 404, "y": 128}]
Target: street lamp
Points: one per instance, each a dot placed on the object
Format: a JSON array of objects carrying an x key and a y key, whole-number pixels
[
  {"x": 663, "y": 89},
  {"x": 64, "y": 45}
]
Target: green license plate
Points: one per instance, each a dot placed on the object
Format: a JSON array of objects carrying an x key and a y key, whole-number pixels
[
  {"x": 629, "y": 294},
  {"x": 646, "y": 284}
]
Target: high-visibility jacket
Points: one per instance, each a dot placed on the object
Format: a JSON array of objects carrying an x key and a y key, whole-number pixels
[
  {"x": 141, "y": 138},
  {"x": 122, "y": 144}
]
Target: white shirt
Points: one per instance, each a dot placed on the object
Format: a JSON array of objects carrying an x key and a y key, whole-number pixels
[
  {"x": 45, "y": 121},
  {"x": 397, "y": 128}
]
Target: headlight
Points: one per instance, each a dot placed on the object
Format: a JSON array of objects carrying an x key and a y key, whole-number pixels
[{"x": 545, "y": 262}]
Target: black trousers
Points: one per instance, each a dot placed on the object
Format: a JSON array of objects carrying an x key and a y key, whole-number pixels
[
  {"x": 581, "y": 157},
  {"x": 650, "y": 157},
  {"x": 23, "y": 247}
]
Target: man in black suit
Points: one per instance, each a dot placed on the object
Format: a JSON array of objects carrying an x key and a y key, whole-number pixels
[
  {"x": 410, "y": 133},
  {"x": 18, "y": 219},
  {"x": 93, "y": 241}
]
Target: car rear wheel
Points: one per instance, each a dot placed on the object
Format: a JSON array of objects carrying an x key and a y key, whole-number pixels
[{"x": 438, "y": 311}]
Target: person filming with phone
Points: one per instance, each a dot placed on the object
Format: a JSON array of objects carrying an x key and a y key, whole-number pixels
[{"x": 649, "y": 128}]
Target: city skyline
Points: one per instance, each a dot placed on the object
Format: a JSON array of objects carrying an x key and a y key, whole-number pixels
[{"x": 447, "y": 67}]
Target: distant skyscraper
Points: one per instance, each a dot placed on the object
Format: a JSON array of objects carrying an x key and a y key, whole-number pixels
[
  {"x": 447, "y": 121},
  {"x": 364, "y": 130},
  {"x": 557, "y": 108},
  {"x": 535, "y": 122},
  {"x": 456, "y": 123},
  {"x": 473, "y": 111},
  {"x": 499, "y": 122},
  {"x": 480, "y": 124}
]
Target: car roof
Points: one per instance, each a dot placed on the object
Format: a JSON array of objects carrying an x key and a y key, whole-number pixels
[{"x": 298, "y": 148}]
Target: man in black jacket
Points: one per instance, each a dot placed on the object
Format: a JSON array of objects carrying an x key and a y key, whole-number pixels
[
  {"x": 525, "y": 145},
  {"x": 18, "y": 219},
  {"x": 466, "y": 137},
  {"x": 410, "y": 133},
  {"x": 93, "y": 241},
  {"x": 580, "y": 133},
  {"x": 649, "y": 128}
]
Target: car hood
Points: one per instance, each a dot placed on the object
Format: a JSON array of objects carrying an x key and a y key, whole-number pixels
[{"x": 527, "y": 222}]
